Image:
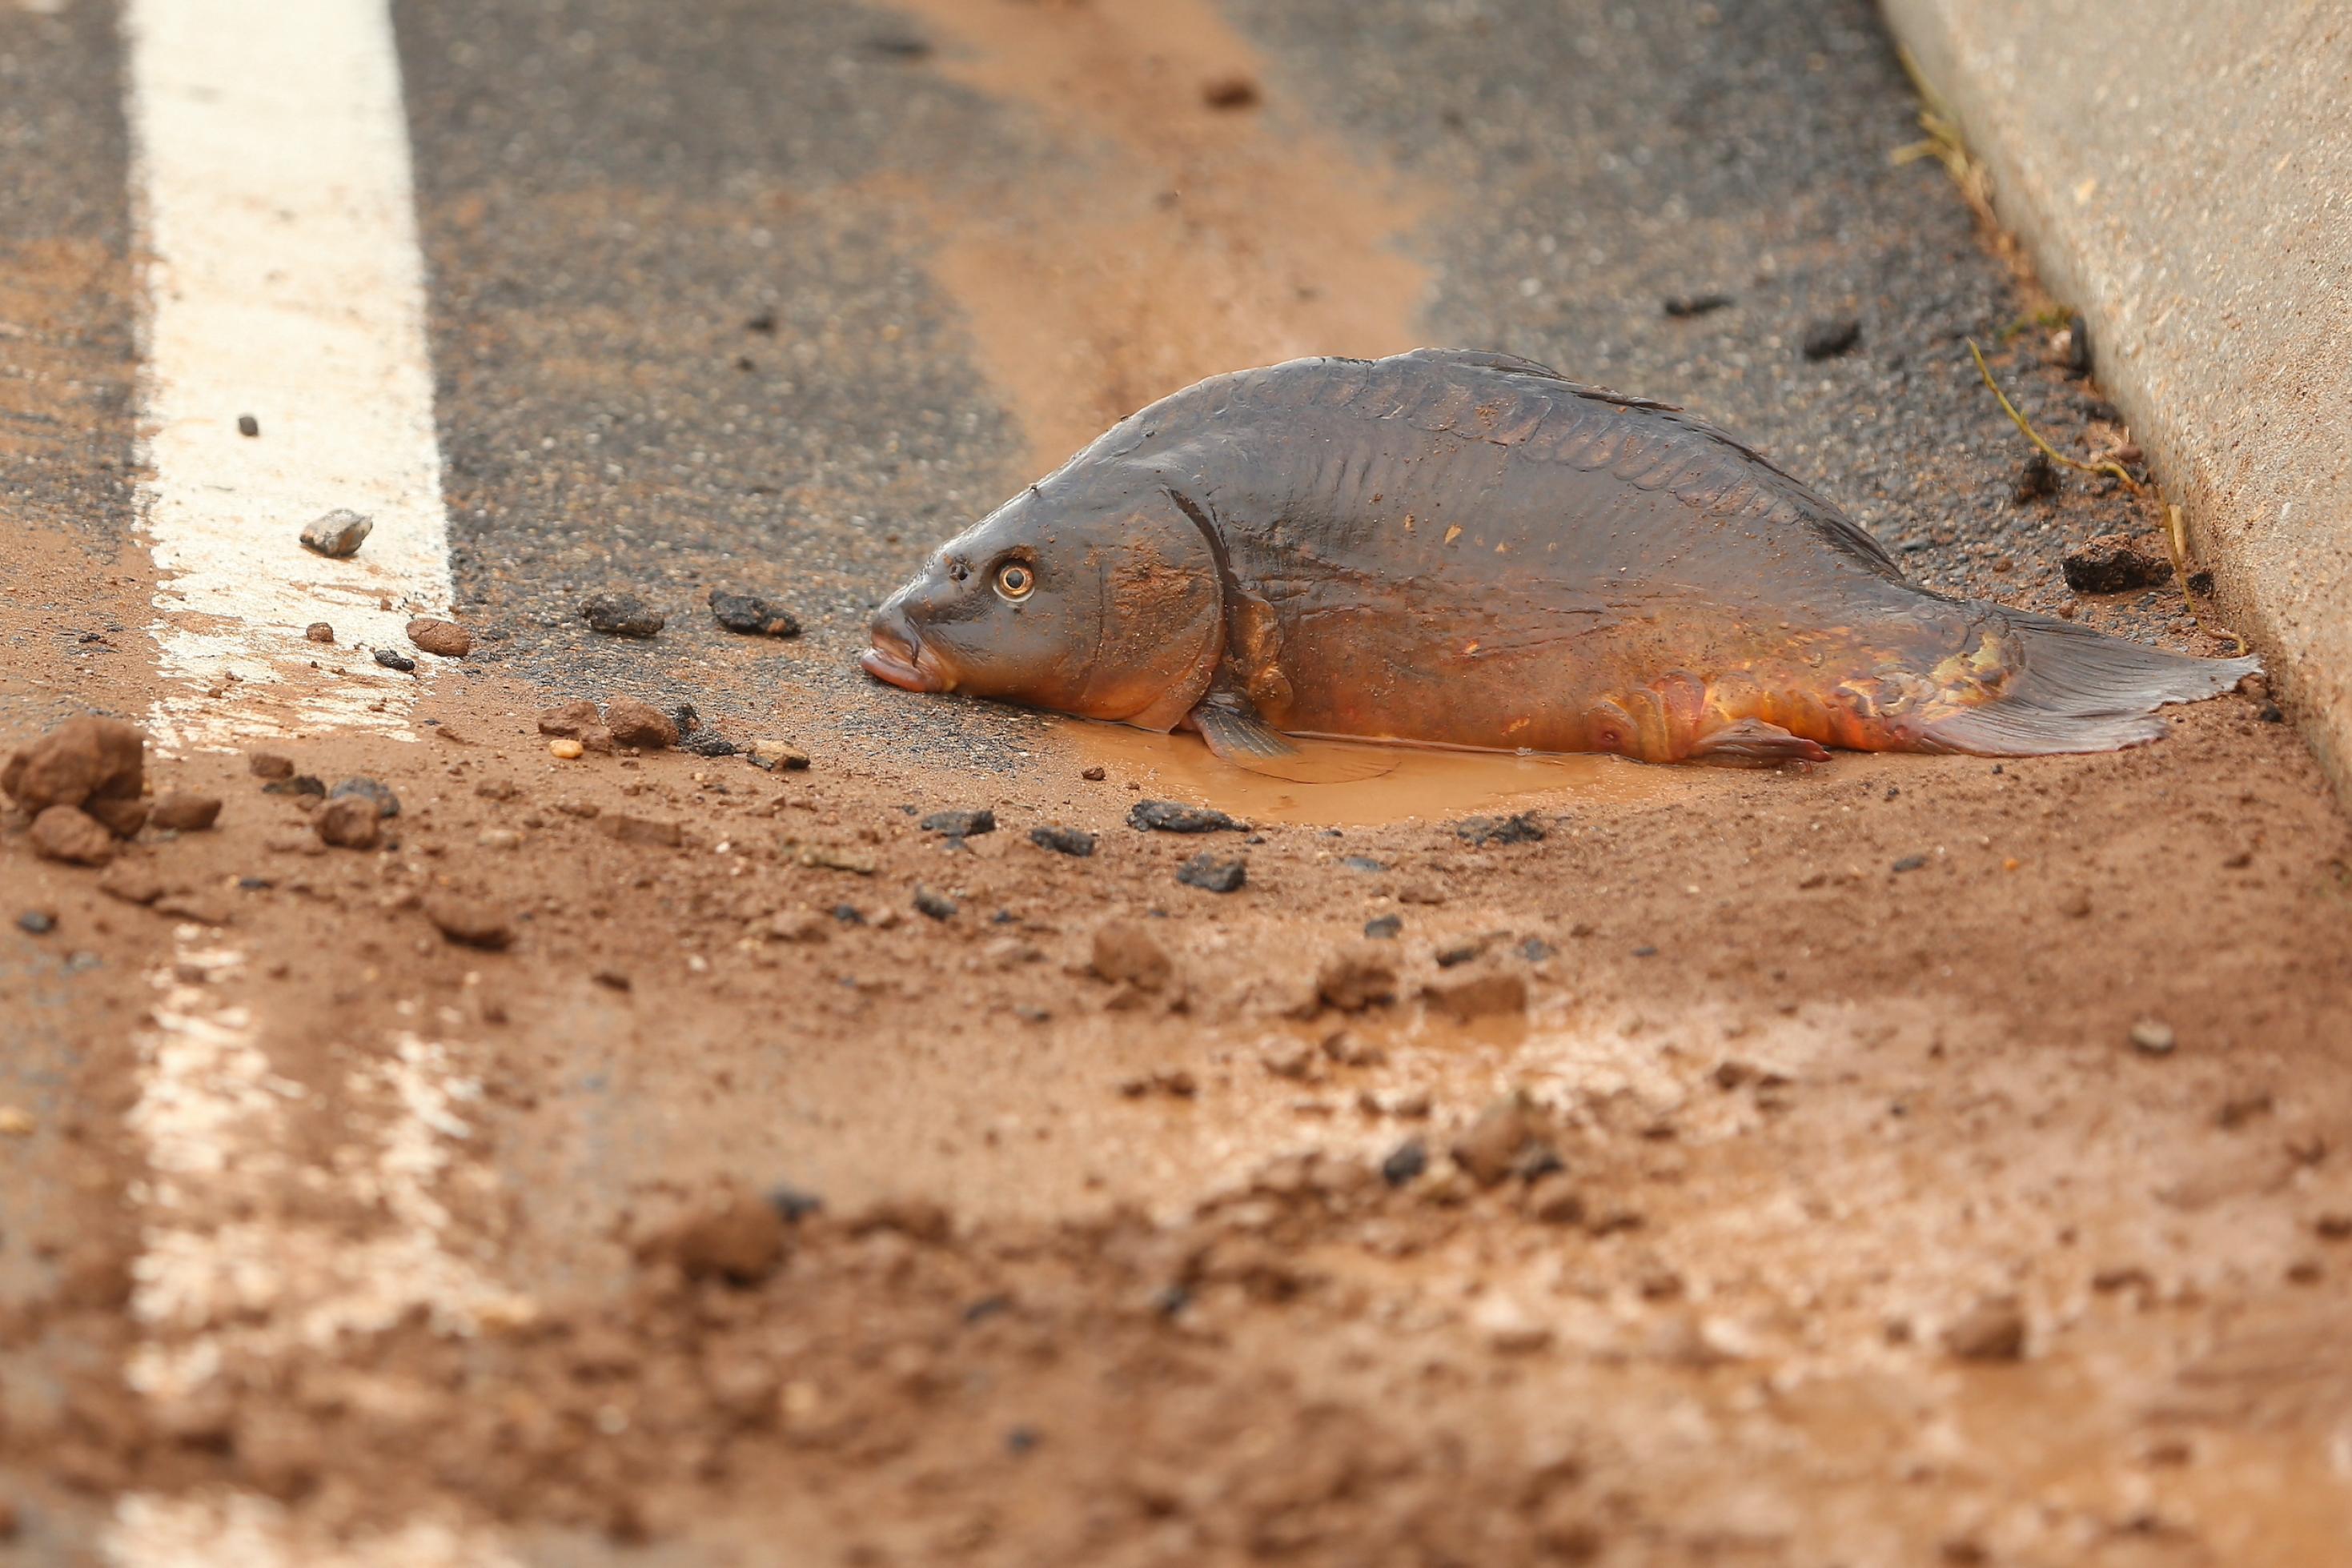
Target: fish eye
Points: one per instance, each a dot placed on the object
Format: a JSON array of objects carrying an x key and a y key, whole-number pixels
[{"x": 1013, "y": 579}]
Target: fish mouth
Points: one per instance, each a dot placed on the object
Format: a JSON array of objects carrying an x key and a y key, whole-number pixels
[{"x": 897, "y": 658}]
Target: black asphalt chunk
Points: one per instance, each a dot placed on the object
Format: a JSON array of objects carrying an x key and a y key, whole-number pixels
[
  {"x": 1169, "y": 817},
  {"x": 1829, "y": 339},
  {"x": 621, "y": 615},
  {"x": 1075, "y": 842},
  {"x": 1480, "y": 831},
  {"x": 1405, "y": 1162},
  {"x": 1684, "y": 306},
  {"x": 708, "y": 743},
  {"x": 751, "y": 615},
  {"x": 1206, "y": 871}
]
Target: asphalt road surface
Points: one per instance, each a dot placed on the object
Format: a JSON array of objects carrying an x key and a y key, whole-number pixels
[{"x": 656, "y": 1158}]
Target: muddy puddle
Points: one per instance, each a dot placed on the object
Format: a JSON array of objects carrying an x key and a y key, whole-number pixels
[{"x": 1412, "y": 784}]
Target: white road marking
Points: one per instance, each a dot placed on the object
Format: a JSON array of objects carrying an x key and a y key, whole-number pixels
[
  {"x": 223, "y": 1269},
  {"x": 284, "y": 281},
  {"x": 271, "y": 179},
  {"x": 255, "y": 1532},
  {"x": 229, "y": 1270}
]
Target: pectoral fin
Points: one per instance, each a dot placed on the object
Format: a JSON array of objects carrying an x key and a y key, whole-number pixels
[
  {"x": 1246, "y": 741},
  {"x": 1751, "y": 740}
]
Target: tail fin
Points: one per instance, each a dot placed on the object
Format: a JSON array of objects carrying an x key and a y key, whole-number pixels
[{"x": 2080, "y": 690}]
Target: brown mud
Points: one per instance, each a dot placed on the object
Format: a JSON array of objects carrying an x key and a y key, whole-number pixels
[{"x": 1842, "y": 1220}]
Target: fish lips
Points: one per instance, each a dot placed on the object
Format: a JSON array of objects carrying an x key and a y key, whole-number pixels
[{"x": 898, "y": 657}]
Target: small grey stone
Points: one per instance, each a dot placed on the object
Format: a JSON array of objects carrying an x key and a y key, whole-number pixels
[
  {"x": 1167, "y": 817},
  {"x": 391, "y": 659},
  {"x": 1075, "y": 842},
  {"x": 338, "y": 534},
  {"x": 938, "y": 906},
  {"x": 1206, "y": 871}
]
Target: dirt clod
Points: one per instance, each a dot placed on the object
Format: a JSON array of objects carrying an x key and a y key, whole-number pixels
[
  {"x": 775, "y": 755},
  {"x": 81, "y": 762},
  {"x": 1993, "y": 1330},
  {"x": 565, "y": 750},
  {"x": 70, "y": 834},
  {"x": 620, "y": 614},
  {"x": 442, "y": 639},
  {"x": 1093, "y": 775},
  {"x": 339, "y": 534},
  {"x": 1234, "y": 90},
  {"x": 184, "y": 811},
  {"x": 641, "y": 724},
  {"x": 387, "y": 804},
  {"x": 269, "y": 765},
  {"x": 353, "y": 822},
  {"x": 655, "y": 832},
  {"x": 2114, "y": 563},
  {"x": 570, "y": 720},
  {"x": 2037, "y": 480},
  {"x": 1210, "y": 874},
  {"x": 751, "y": 615},
  {"x": 734, "y": 1235},
  {"x": 131, "y": 881},
  {"x": 320, "y": 632},
  {"x": 1124, "y": 953},
  {"x": 1498, "y": 1144},
  {"x": 1355, "y": 978},
  {"x": 1169, "y": 817},
  {"x": 1485, "y": 993},
  {"x": 469, "y": 922}
]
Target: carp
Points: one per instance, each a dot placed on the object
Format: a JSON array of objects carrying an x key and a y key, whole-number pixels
[{"x": 1453, "y": 547}]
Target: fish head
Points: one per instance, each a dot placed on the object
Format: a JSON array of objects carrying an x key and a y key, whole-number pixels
[{"x": 1087, "y": 595}]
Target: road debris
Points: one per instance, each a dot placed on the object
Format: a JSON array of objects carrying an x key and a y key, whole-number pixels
[
  {"x": 620, "y": 614},
  {"x": 1212, "y": 875},
  {"x": 442, "y": 639},
  {"x": 339, "y": 534},
  {"x": 751, "y": 615},
  {"x": 1170, "y": 817}
]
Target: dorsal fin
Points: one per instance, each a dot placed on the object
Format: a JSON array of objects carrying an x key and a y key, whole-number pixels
[{"x": 1513, "y": 364}]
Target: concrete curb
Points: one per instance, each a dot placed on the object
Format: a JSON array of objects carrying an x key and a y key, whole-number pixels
[{"x": 2181, "y": 173}]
